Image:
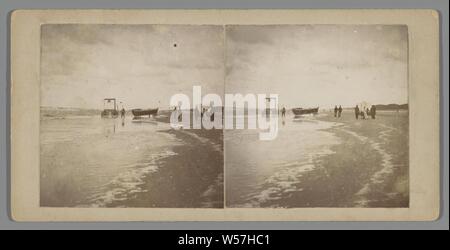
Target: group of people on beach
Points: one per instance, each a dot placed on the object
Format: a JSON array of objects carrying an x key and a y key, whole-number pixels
[
  {"x": 369, "y": 112},
  {"x": 337, "y": 111},
  {"x": 358, "y": 112}
]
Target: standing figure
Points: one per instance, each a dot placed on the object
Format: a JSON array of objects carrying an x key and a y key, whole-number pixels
[
  {"x": 122, "y": 113},
  {"x": 356, "y": 112},
  {"x": 373, "y": 111},
  {"x": 283, "y": 112},
  {"x": 340, "y": 111},
  {"x": 335, "y": 111},
  {"x": 203, "y": 112}
]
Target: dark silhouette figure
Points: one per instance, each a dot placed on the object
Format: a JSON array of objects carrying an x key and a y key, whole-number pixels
[
  {"x": 335, "y": 111},
  {"x": 356, "y": 112},
  {"x": 373, "y": 111},
  {"x": 203, "y": 112},
  {"x": 122, "y": 113},
  {"x": 283, "y": 112},
  {"x": 339, "y": 111},
  {"x": 363, "y": 115}
]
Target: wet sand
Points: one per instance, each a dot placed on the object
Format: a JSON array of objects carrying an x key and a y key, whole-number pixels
[
  {"x": 87, "y": 161},
  {"x": 332, "y": 162},
  {"x": 190, "y": 178},
  {"x": 369, "y": 168}
]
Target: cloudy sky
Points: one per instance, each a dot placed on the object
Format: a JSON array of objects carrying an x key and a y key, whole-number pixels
[
  {"x": 144, "y": 65},
  {"x": 319, "y": 65},
  {"x": 140, "y": 65}
]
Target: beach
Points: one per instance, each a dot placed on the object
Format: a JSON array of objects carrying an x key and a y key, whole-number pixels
[
  {"x": 192, "y": 177},
  {"x": 87, "y": 161},
  {"x": 375, "y": 153},
  {"x": 321, "y": 161},
  {"x": 315, "y": 161}
]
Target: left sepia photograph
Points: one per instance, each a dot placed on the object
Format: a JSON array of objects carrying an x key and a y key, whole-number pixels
[{"x": 105, "y": 133}]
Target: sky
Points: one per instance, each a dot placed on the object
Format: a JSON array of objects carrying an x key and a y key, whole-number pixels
[
  {"x": 144, "y": 65},
  {"x": 319, "y": 65},
  {"x": 140, "y": 65}
]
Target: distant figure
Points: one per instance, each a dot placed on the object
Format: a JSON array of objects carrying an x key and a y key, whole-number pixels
[
  {"x": 340, "y": 111},
  {"x": 283, "y": 112},
  {"x": 367, "y": 112},
  {"x": 122, "y": 113},
  {"x": 373, "y": 111},
  {"x": 356, "y": 112},
  {"x": 335, "y": 111}
]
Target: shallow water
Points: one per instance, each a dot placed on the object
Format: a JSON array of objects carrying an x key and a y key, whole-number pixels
[
  {"x": 89, "y": 161},
  {"x": 321, "y": 161},
  {"x": 261, "y": 171}
]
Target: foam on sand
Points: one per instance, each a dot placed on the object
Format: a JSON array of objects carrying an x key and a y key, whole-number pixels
[
  {"x": 380, "y": 176},
  {"x": 129, "y": 182}
]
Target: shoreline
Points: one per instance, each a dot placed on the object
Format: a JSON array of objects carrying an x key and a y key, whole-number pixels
[
  {"x": 190, "y": 178},
  {"x": 368, "y": 168},
  {"x": 379, "y": 157}
]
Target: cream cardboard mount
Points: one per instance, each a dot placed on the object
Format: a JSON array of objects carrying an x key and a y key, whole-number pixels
[{"x": 423, "y": 100}]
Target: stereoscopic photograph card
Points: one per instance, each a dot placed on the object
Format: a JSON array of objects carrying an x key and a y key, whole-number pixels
[{"x": 225, "y": 115}]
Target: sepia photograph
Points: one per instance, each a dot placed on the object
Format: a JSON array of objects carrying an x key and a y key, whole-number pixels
[
  {"x": 225, "y": 115},
  {"x": 341, "y": 108},
  {"x": 105, "y": 134},
  {"x": 343, "y": 116}
]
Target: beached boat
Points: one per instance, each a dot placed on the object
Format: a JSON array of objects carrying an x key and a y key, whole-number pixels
[
  {"x": 143, "y": 112},
  {"x": 302, "y": 111}
]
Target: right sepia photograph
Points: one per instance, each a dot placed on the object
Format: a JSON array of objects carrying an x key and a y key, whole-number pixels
[{"x": 342, "y": 116}]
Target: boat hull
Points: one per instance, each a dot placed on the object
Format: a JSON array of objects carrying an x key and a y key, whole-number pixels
[
  {"x": 301, "y": 111},
  {"x": 144, "y": 112}
]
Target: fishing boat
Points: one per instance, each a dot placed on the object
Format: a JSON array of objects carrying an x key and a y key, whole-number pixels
[
  {"x": 144, "y": 112},
  {"x": 302, "y": 111}
]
